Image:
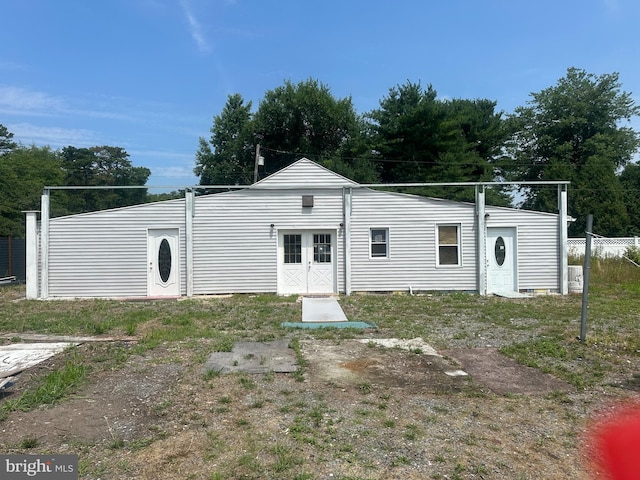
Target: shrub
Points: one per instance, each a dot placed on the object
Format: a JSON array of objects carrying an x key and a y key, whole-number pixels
[{"x": 633, "y": 253}]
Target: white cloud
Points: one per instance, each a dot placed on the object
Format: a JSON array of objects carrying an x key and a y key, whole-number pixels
[
  {"x": 173, "y": 172},
  {"x": 55, "y": 137},
  {"x": 20, "y": 100},
  {"x": 195, "y": 29}
]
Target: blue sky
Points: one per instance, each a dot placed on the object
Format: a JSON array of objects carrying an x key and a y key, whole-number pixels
[{"x": 149, "y": 75}]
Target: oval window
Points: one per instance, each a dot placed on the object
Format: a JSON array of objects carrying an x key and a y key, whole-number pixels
[
  {"x": 500, "y": 251},
  {"x": 164, "y": 260}
]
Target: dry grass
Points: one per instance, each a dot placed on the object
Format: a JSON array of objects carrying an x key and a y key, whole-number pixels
[{"x": 147, "y": 410}]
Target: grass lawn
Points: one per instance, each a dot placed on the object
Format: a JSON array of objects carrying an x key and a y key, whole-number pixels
[{"x": 294, "y": 427}]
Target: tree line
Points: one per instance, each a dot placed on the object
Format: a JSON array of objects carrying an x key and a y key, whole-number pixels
[
  {"x": 577, "y": 130},
  {"x": 24, "y": 171}
]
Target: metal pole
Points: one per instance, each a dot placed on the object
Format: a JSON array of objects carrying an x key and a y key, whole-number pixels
[
  {"x": 255, "y": 170},
  {"x": 10, "y": 252},
  {"x": 587, "y": 269}
]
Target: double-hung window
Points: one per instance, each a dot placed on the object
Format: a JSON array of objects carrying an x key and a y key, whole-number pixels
[
  {"x": 449, "y": 245},
  {"x": 379, "y": 242}
]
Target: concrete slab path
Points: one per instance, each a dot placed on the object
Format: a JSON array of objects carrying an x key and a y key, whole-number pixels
[{"x": 325, "y": 309}]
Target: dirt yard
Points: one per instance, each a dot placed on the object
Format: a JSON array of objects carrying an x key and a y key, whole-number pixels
[{"x": 361, "y": 412}]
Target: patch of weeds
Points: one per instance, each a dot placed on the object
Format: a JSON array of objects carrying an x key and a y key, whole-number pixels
[
  {"x": 440, "y": 409},
  {"x": 29, "y": 442},
  {"x": 141, "y": 443},
  {"x": 316, "y": 414},
  {"x": 389, "y": 423},
  {"x": 242, "y": 422},
  {"x": 458, "y": 470},
  {"x": 225, "y": 400},
  {"x": 247, "y": 382},
  {"x": 211, "y": 373},
  {"x": 124, "y": 465},
  {"x": 411, "y": 432},
  {"x": 365, "y": 388},
  {"x": 300, "y": 360},
  {"x": 362, "y": 412},
  {"x": 249, "y": 461},
  {"x": 54, "y": 386},
  {"x": 559, "y": 396},
  {"x": 305, "y": 476},
  {"x": 259, "y": 403},
  {"x": 116, "y": 443},
  {"x": 400, "y": 460},
  {"x": 269, "y": 376},
  {"x": 99, "y": 327},
  {"x": 224, "y": 343},
  {"x": 285, "y": 459},
  {"x": 479, "y": 470},
  {"x": 159, "y": 408},
  {"x": 130, "y": 329}
]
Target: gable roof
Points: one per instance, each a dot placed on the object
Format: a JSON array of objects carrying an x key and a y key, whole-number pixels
[{"x": 304, "y": 173}]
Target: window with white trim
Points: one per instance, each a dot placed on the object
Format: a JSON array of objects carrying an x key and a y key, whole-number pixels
[
  {"x": 379, "y": 242},
  {"x": 449, "y": 245}
]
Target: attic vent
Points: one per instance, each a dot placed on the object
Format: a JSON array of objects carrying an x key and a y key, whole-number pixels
[{"x": 307, "y": 200}]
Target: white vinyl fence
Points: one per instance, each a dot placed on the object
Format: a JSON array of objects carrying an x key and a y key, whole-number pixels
[{"x": 602, "y": 247}]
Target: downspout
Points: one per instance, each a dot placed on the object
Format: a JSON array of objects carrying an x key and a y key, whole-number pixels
[
  {"x": 44, "y": 244},
  {"x": 563, "y": 264},
  {"x": 346, "y": 237},
  {"x": 189, "y": 206},
  {"x": 481, "y": 231}
]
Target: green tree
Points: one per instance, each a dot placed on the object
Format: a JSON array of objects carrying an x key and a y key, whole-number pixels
[
  {"x": 23, "y": 173},
  {"x": 102, "y": 166},
  {"x": 422, "y": 139},
  {"x": 630, "y": 180},
  {"x": 6, "y": 140},
  {"x": 305, "y": 119},
  {"x": 228, "y": 157},
  {"x": 574, "y": 131}
]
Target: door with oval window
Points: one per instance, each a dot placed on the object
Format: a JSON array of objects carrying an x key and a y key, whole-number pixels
[
  {"x": 163, "y": 260},
  {"x": 502, "y": 274}
]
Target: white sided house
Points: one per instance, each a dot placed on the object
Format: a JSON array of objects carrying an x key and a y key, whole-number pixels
[{"x": 302, "y": 230}]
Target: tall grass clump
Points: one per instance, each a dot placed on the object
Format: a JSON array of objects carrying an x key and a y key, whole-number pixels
[{"x": 54, "y": 386}]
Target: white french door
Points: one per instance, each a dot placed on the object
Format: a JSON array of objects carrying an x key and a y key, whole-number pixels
[{"x": 306, "y": 261}]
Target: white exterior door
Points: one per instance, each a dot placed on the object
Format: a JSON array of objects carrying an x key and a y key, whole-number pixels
[
  {"x": 163, "y": 260},
  {"x": 306, "y": 261},
  {"x": 502, "y": 261}
]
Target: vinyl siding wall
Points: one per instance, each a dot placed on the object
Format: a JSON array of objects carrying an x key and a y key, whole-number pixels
[
  {"x": 104, "y": 254},
  {"x": 235, "y": 248},
  {"x": 412, "y": 222}
]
